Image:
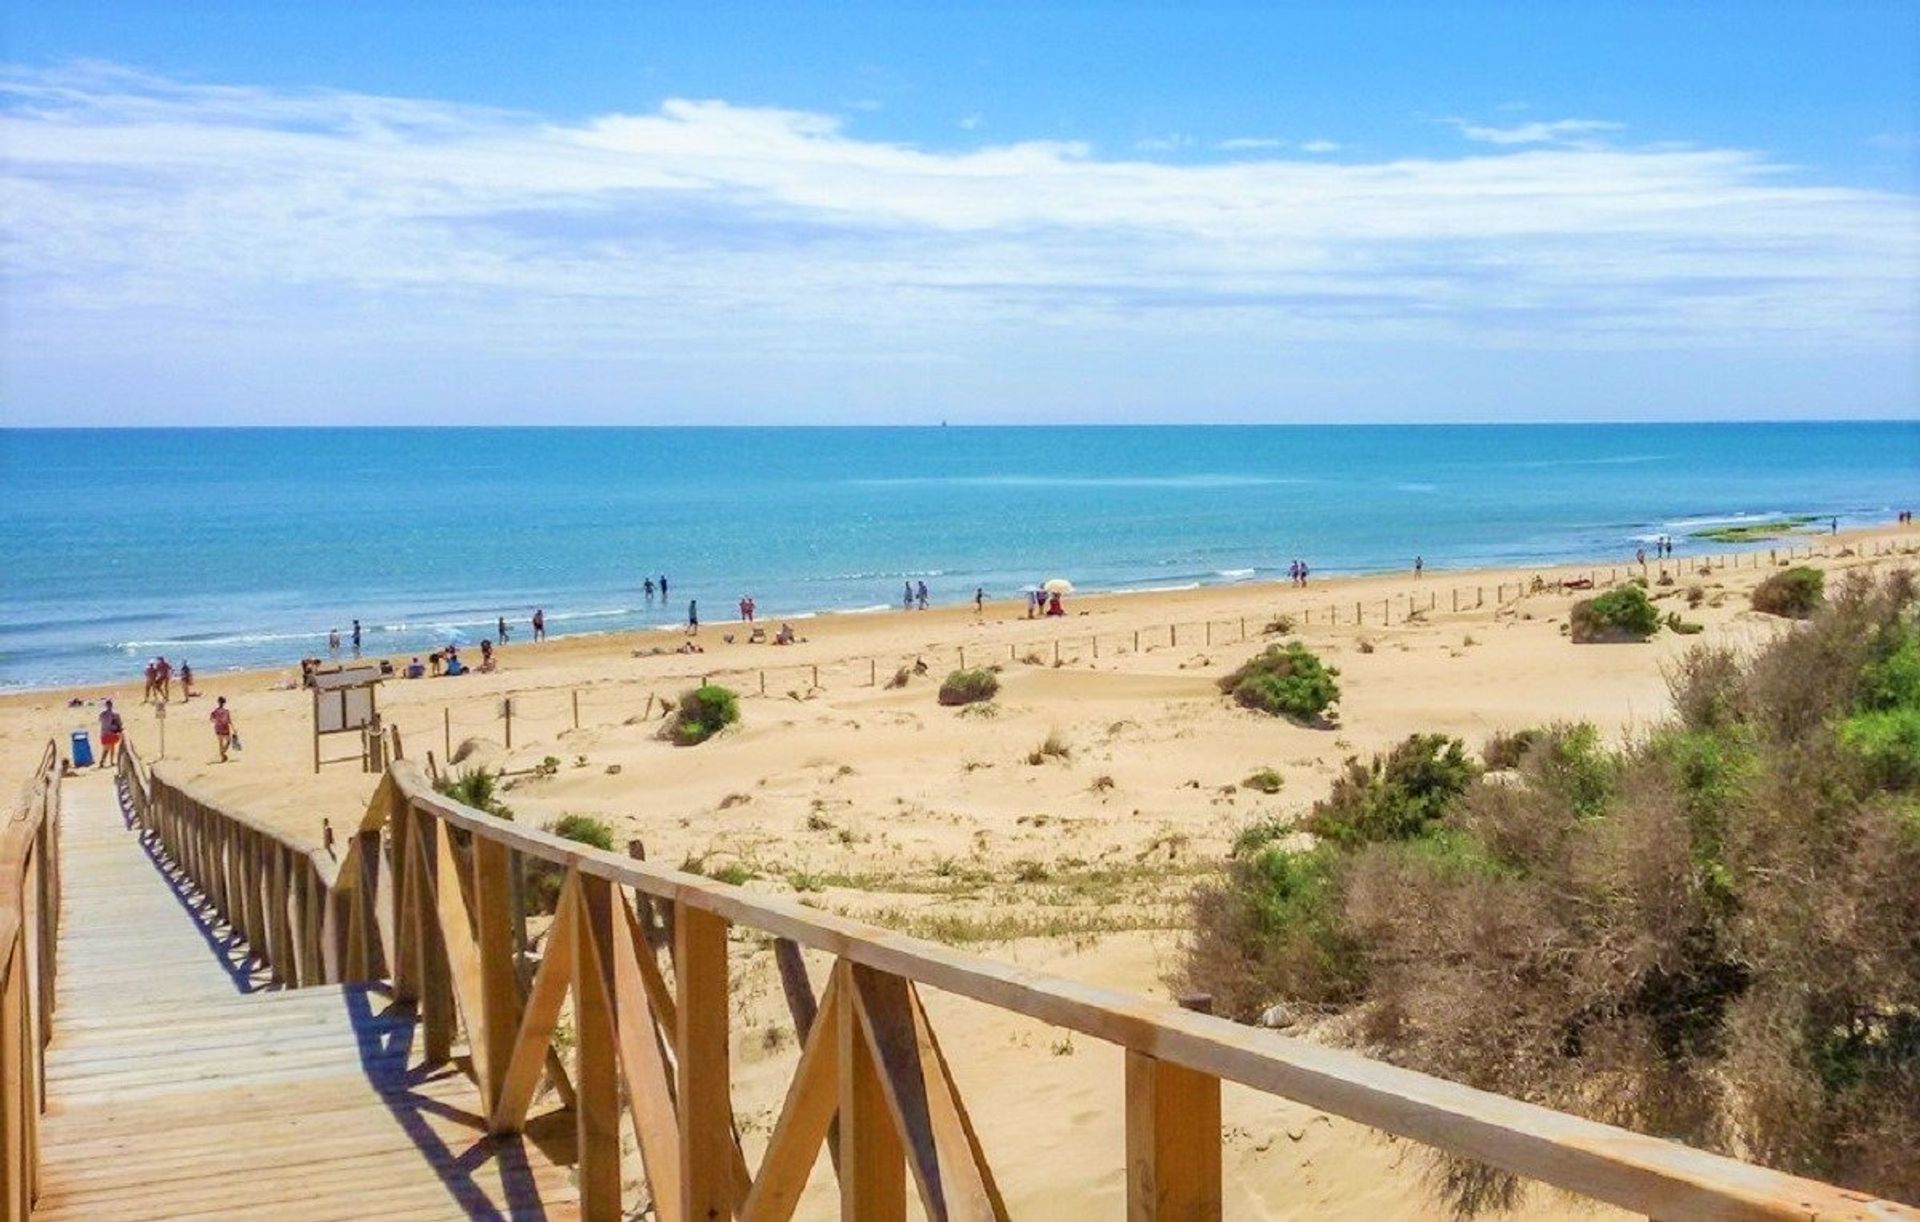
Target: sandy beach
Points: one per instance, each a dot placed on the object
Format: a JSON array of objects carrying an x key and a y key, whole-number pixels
[{"x": 870, "y": 799}]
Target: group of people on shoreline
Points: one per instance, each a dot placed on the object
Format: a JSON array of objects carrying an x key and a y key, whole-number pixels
[
  {"x": 159, "y": 689},
  {"x": 1297, "y": 572}
]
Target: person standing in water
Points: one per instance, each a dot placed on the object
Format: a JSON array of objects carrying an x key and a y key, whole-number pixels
[
  {"x": 539, "y": 623},
  {"x": 356, "y": 638},
  {"x": 501, "y": 629},
  {"x": 693, "y": 617},
  {"x": 921, "y": 594},
  {"x": 663, "y": 587},
  {"x": 649, "y": 589},
  {"x": 333, "y": 643}
]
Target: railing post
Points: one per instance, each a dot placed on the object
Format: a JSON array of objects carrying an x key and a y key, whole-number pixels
[
  {"x": 596, "y": 1102},
  {"x": 873, "y": 1167},
  {"x": 705, "y": 1095},
  {"x": 1173, "y": 1138},
  {"x": 493, "y": 938}
]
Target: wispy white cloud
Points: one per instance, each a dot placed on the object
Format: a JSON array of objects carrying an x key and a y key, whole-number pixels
[
  {"x": 1320, "y": 146},
  {"x": 1558, "y": 131},
  {"x": 182, "y": 220},
  {"x": 971, "y": 122},
  {"x": 1241, "y": 144},
  {"x": 1170, "y": 143}
]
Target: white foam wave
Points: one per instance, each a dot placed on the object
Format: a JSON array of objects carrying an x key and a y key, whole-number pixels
[
  {"x": 1234, "y": 574},
  {"x": 1191, "y": 585}
]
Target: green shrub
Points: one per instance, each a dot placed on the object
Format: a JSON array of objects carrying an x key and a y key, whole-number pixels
[
  {"x": 1273, "y": 926},
  {"x": 704, "y": 712},
  {"x": 477, "y": 788},
  {"x": 1285, "y": 680},
  {"x": 969, "y": 687},
  {"x": 1621, "y": 614},
  {"x": 1887, "y": 741},
  {"x": 583, "y": 829},
  {"x": 544, "y": 878},
  {"x": 1715, "y": 921},
  {"x": 1395, "y": 797},
  {"x": 1266, "y": 780},
  {"x": 1795, "y": 593}
]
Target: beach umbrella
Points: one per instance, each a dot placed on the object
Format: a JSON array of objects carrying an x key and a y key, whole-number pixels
[{"x": 1059, "y": 585}]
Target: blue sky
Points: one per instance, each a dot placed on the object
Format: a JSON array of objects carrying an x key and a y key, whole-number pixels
[{"x": 265, "y": 213}]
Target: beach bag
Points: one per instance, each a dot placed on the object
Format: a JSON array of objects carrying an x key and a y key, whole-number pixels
[{"x": 233, "y": 742}]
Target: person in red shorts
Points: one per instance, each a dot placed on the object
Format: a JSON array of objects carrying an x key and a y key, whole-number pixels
[
  {"x": 222, "y": 719},
  {"x": 110, "y": 730}
]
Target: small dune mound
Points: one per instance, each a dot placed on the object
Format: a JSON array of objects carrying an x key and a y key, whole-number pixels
[{"x": 477, "y": 750}]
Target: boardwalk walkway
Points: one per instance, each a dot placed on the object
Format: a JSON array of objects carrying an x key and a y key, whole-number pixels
[{"x": 180, "y": 1086}]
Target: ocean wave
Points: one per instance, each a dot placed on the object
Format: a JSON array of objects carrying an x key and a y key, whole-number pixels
[
  {"x": 880, "y": 576},
  {"x": 1191, "y": 585},
  {"x": 1199, "y": 481},
  {"x": 1234, "y": 574},
  {"x": 851, "y": 610}
]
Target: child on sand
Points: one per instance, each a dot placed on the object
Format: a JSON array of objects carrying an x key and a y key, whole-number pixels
[{"x": 222, "y": 719}]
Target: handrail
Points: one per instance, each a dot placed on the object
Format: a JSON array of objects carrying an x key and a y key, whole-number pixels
[
  {"x": 275, "y": 893},
  {"x": 29, "y": 929},
  {"x": 424, "y": 898}
]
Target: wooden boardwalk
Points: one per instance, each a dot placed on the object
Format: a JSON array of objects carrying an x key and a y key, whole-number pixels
[{"x": 179, "y": 1085}]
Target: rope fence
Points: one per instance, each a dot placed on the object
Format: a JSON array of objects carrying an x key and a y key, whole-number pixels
[{"x": 547, "y": 713}]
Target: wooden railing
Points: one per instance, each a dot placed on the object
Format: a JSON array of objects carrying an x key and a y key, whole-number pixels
[
  {"x": 29, "y": 943},
  {"x": 282, "y": 898},
  {"x": 426, "y": 898}
]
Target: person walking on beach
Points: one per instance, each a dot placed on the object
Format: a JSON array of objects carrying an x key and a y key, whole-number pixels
[
  {"x": 1303, "y": 574},
  {"x": 356, "y": 638},
  {"x": 906, "y": 596},
  {"x": 186, "y": 681},
  {"x": 921, "y": 593},
  {"x": 333, "y": 643},
  {"x": 1419, "y": 566},
  {"x": 163, "y": 678},
  {"x": 222, "y": 719},
  {"x": 501, "y": 629},
  {"x": 693, "y": 617},
  {"x": 979, "y": 600},
  {"x": 649, "y": 589},
  {"x": 146, "y": 695},
  {"x": 110, "y": 729},
  {"x": 539, "y": 623}
]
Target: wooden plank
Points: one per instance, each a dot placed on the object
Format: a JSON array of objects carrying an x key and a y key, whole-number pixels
[
  {"x": 596, "y": 1077},
  {"x": 1173, "y": 1142},
  {"x": 813, "y": 1097},
  {"x": 499, "y": 985},
  {"x": 643, "y": 1062},
  {"x": 705, "y": 1096},
  {"x": 463, "y": 957},
  {"x": 540, "y": 1014},
  {"x": 952, "y": 1179},
  {"x": 873, "y": 1179}
]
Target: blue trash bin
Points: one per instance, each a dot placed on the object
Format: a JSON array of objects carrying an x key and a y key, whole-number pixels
[{"x": 82, "y": 750}]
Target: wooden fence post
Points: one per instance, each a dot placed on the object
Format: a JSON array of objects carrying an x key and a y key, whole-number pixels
[
  {"x": 705, "y": 1098},
  {"x": 1173, "y": 1137},
  {"x": 576, "y": 708},
  {"x": 446, "y": 733},
  {"x": 506, "y": 709}
]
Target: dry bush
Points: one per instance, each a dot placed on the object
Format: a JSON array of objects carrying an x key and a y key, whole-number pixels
[{"x": 1712, "y": 933}]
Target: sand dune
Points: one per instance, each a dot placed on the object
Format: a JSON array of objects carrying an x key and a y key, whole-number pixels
[{"x": 880, "y": 803}]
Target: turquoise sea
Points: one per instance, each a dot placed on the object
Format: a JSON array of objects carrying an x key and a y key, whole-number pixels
[{"x": 242, "y": 547}]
